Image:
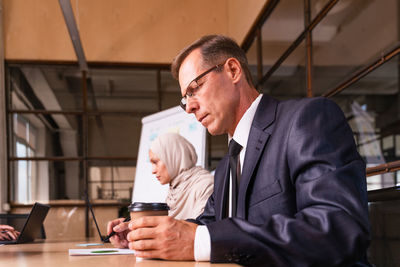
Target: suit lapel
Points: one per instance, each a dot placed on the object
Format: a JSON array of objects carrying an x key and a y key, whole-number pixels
[
  {"x": 222, "y": 189},
  {"x": 258, "y": 137}
]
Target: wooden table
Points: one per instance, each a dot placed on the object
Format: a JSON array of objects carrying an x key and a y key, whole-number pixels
[{"x": 55, "y": 254}]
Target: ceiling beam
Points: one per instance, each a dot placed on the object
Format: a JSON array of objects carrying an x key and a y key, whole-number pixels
[{"x": 74, "y": 33}]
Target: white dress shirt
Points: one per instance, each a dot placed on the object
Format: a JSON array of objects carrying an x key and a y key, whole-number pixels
[{"x": 202, "y": 240}]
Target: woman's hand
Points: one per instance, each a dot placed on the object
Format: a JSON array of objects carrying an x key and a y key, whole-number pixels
[
  {"x": 8, "y": 232},
  {"x": 120, "y": 227}
]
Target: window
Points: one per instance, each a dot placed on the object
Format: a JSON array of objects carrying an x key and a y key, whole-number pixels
[
  {"x": 69, "y": 138},
  {"x": 25, "y": 172},
  {"x": 349, "y": 57}
]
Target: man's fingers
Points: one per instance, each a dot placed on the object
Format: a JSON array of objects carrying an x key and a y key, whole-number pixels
[
  {"x": 114, "y": 240},
  {"x": 147, "y": 254},
  {"x": 119, "y": 242},
  {"x": 148, "y": 221},
  {"x": 162, "y": 237},
  {"x": 121, "y": 227},
  {"x": 142, "y": 233},
  {"x": 109, "y": 227},
  {"x": 140, "y": 245},
  {"x": 112, "y": 224}
]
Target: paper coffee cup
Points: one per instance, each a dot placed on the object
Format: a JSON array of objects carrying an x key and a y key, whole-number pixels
[{"x": 139, "y": 209}]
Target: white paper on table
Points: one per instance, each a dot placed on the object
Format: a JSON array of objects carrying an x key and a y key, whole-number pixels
[{"x": 100, "y": 251}]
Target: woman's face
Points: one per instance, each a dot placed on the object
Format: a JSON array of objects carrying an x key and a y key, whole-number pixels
[{"x": 159, "y": 169}]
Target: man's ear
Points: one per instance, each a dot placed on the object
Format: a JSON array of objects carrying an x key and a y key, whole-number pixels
[{"x": 234, "y": 69}]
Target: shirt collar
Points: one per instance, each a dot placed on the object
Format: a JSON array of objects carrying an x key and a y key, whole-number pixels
[{"x": 242, "y": 131}]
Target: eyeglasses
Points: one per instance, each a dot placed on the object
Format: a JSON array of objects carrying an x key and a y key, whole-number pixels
[{"x": 194, "y": 86}]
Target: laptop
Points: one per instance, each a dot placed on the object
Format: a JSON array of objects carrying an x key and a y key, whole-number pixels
[{"x": 32, "y": 225}]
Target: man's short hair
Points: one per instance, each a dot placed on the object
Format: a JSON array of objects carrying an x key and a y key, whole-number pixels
[{"x": 215, "y": 49}]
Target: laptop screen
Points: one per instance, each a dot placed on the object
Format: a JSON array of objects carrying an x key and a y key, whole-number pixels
[{"x": 32, "y": 224}]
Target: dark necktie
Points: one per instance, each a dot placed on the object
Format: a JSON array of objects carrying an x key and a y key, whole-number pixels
[{"x": 234, "y": 164}]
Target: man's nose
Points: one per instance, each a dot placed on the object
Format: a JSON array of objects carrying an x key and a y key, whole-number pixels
[{"x": 191, "y": 105}]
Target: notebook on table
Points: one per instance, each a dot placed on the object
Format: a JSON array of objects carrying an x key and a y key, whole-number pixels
[{"x": 32, "y": 225}]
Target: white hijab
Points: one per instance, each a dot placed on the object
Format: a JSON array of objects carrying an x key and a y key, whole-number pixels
[
  {"x": 177, "y": 153},
  {"x": 190, "y": 186}
]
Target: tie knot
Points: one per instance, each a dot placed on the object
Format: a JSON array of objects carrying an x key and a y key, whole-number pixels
[{"x": 234, "y": 148}]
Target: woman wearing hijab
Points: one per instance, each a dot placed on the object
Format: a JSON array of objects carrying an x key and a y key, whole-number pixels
[{"x": 173, "y": 160}]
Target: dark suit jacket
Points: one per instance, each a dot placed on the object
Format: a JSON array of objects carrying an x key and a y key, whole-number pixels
[{"x": 302, "y": 197}]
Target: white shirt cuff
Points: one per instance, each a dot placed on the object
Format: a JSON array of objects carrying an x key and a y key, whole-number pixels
[{"x": 202, "y": 244}]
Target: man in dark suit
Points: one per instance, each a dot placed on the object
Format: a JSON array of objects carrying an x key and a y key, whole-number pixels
[{"x": 293, "y": 193}]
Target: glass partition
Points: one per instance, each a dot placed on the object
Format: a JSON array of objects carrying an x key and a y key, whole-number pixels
[
  {"x": 122, "y": 90},
  {"x": 46, "y": 135},
  {"x": 349, "y": 38},
  {"x": 289, "y": 80},
  {"x": 284, "y": 25},
  {"x": 114, "y": 135},
  {"x": 73, "y": 143},
  {"x": 44, "y": 87},
  {"x": 371, "y": 106},
  {"x": 111, "y": 179},
  {"x": 43, "y": 180}
]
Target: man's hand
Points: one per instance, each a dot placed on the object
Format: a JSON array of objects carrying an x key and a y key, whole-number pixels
[
  {"x": 162, "y": 237},
  {"x": 118, "y": 240},
  {"x": 8, "y": 232}
]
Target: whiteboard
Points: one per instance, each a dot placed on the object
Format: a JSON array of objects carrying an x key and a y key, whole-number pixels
[{"x": 146, "y": 186}]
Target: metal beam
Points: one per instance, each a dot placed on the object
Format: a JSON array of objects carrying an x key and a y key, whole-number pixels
[
  {"x": 73, "y": 33},
  {"x": 309, "y": 63},
  {"x": 269, "y": 6},
  {"x": 299, "y": 39},
  {"x": 80, "y": 54},
  {"x": 5, "y": 189},
  {"x": 259, "y": 55},
  {"x": 363, "y": 72}
]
